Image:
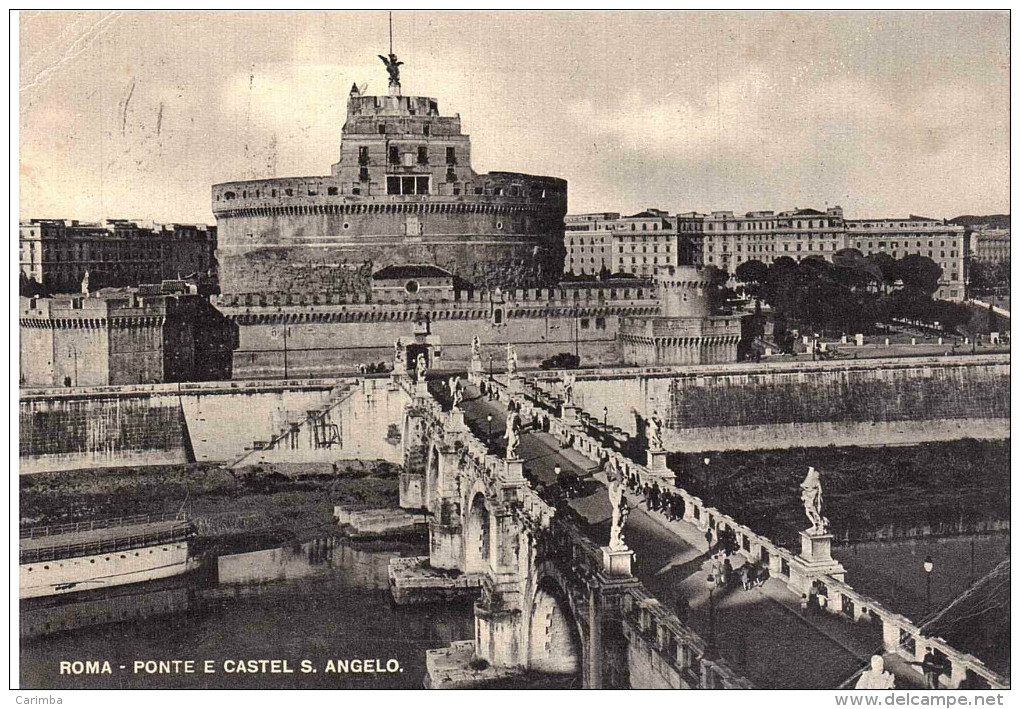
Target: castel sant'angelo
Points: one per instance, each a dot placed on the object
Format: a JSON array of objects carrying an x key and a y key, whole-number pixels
[{"x": 404, "y": 240}]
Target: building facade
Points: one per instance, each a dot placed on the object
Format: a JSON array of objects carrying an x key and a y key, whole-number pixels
[
  {"x": 989, "y": 244},
  {"x": 726, "y": 240},
  {"x": 608, "y": 243},
  {"x": 57, "y": 253},
  {"x": 936, "y": 239}
]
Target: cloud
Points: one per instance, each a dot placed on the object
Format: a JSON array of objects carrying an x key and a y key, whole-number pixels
[{"x": 886, "y": 113}]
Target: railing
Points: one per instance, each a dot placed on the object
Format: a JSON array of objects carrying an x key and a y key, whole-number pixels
[
  {"x": 175, "y": 533},
  {"x": 747, "y": 368},
  {"x": 684, "y": 651},
  {"x": 229, "y": 386},
  {"x": 75, "y": 527}
]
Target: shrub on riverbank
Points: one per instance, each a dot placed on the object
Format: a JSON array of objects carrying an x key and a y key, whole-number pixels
[
  {"x": 284, "y": 501},
  {"x": 947, "y": 487}
]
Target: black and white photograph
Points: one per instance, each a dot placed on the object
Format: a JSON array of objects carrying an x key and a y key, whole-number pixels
[{"x": 511, "y": 349}]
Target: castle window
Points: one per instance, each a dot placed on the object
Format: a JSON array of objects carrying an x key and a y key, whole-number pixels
[
  {"x": 394, "y": 155},
  {"x": 451, "y": 176},
  {"x": 289, "y": 192},
  {"x": 451, "y": 156},
  {"x": 355, "y": 190},
  {"x": 274, "y": 193},
  {"x": 332, "y": 191},
  {"x": 363, "y": 155},
  {"x": 382, "y": 129},
  {"x": 422, "y": 185},
  {"x": 426, "y": 129},
  {"x": 423, "y": 155},
  {"x": 584, "y": 323},
  {"x": 392, "y": 185},
  {"x": 497, "y": 316},
  {"x": 407, "y": 185},
  {"x": 363, "y": 174},
  {"x": 347, "y": 225},
  {"x": 229, "y": 195}
]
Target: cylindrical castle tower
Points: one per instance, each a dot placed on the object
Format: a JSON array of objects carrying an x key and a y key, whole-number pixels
[
  {"x": 683, "y": 291},
  {"x": 402, "y": 192}
]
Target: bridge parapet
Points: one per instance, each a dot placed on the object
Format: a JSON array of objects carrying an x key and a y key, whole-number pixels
[
  {"x": 901, "y": 636},
  {"x": 543, "y": 581},
  {"x": 685, "y": 660}
]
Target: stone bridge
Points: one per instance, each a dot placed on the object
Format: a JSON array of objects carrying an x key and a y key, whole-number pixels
[{"x": 554, "y": 603}]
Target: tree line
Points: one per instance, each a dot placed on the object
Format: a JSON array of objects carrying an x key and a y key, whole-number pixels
[{"x": 851, "y": 294}]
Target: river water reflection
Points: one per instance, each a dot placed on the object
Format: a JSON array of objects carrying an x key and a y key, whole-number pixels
[{"x": 319, "y": 601}]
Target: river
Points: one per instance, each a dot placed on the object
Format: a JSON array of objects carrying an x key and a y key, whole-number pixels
[{"x": 321, "y": 601}]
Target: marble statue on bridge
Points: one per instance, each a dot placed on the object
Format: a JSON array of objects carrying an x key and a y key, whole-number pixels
[
  {"x": 876, "y": 677},
  {"x": 811, "y": 496},
  {"x": 511, "y": 362},
  {"x": 569, "y": 380},
  {"x": 456, "y": 391},
  {"x": 653, "y": 431},
  {"x": 513, "y": 439},
  {"x": 420, "y": 368},
  {"x": 398, "y": 356},
  {"x": 476, "y": 348},
  {"x": 620, "y": 512}
]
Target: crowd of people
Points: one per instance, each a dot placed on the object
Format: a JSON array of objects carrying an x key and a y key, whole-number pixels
[{"x": 670, "y": 504}]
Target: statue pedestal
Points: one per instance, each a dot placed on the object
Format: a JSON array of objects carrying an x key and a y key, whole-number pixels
[
  {"x": 657, "y": 461},
  {"x": 455, "y": 422},
  {"x": 815, "y": 548},
  {"x": 569, "y": 414},
  {"x": 476, "y": 366},
  {"x": 616, "y": 562},
  {"x": 515, "y": 385},
  {"x": 421, "y": 389},
  {"x": 514, "y": 470},
  {"x": 815, "y": 559}
]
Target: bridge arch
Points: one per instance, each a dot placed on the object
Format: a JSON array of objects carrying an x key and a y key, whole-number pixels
[
  {"x": 555, "y": 642},
  {"x": 477, "y": 534},
  {"x": 411, "y": 436}
]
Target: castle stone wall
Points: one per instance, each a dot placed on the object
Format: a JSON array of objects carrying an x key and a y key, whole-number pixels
[{"x": 748, "y": 407}]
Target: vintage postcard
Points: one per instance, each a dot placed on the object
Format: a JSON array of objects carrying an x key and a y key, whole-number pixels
[{"x": 513, "y": 350}]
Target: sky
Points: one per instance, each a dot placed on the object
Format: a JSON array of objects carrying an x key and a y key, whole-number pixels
[{"x": 136, "y": 115}]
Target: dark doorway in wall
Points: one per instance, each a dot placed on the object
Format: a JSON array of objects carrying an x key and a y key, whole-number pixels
[{"x": 412, "y": 351}]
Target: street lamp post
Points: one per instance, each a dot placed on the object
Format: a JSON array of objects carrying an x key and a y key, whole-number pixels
[
  {"x": 605, "y": 420},
  {"x": 928, "y": 566},
  {"x": 489, "y": 419}
]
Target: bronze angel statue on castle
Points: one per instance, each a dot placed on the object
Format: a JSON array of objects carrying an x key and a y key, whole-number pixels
[{"x": 392, "y": 66}]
